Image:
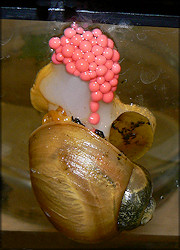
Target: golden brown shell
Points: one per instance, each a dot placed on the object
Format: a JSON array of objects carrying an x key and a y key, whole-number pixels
[{"x": 78, "y": 179}]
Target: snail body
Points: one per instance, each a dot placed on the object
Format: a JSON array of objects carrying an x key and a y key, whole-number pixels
[
  {"x": 82, "y": 182},
  {"x": 49, "y": 93}
]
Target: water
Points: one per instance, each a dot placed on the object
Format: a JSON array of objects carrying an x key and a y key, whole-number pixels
[{"x": 149, "y": 77}]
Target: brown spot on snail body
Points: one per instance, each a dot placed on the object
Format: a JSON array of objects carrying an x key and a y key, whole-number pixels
[{"x": 131, "y": 134}]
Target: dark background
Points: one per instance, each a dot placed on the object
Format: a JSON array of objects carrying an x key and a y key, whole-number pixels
[
  {"x": 148, "y": 12},
  {"x": 162, "y": 7}
]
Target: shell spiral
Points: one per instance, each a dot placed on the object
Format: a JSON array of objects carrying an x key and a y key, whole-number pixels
[{"x": 79, "y": 180}]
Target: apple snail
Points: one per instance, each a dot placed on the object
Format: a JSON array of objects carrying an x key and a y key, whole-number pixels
[{"x": 82, "y": 156}]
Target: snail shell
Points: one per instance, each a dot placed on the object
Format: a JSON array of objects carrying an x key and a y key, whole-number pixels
[{"x": 86, "y": 187}]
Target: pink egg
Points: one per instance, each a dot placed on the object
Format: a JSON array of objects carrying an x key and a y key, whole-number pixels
[
  {"x": 67, "y": 60},
  {"x": 85, "y": 46},
  {"x": 76, "y": 73},
  {"x": 82, "y": 65},
  {"x": 97, "y": 50},
  {"x": 110, "y": 43},
  {"x": 94, "y": 106},
  {"x": 54, "y": 42},
  {"x": 108, "y": 52},
  {"x": 116, "y": 76},
  {"x": 92, "y": 66},
  {"x": 99, "y": 60},
  {"x": 59, "y": 57},
  {"x": 109, "y": 75},
  {"x": 76, "y": 40},
  {"x": 116, "y": 68},
  {"x": 97, "y": 32},
  {"x": 92, "y": 74},
  {"x": 59, "y": 49},
  {"x": 70, "y": 67},
  {"x": 54, "y": 60},
  {"x": 102, "y": 40},
  {"x": 116, "y": 55},
  {"x": 67, "y": 50},
  {"x": 94, "y": 118},
  {"x": 109, "y": 64},
  {"x": 79, "y": 30},
  {"x": 93, "y": 86},
  {"x": 101, "y": 70},
  {"x": 93, "y": 41},
  {"x": 89, "y": 56},
  {"x": 113, "y": 89},
  {"x": 69, "y": 32},
  {"x": 100, "y": 79},
  {"x": 96, "y": 96},
  {"x": 114, "y": 82},
  {"x": 105, "y": 87},
  {"x": 85, "y": 76},
  {"x": 108, "y": 97},
  {"x": 64, "y": 40},
  {"x": 87, "y": 35},
  {"x": 77, "y": 54}
]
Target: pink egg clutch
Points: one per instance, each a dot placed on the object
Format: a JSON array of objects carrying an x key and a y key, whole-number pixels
[{"x": 91, "y": 56}]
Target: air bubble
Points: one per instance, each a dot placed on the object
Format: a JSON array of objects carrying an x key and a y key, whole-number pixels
[
  {"x": 141, "y": 36},
  {"x": 177, "y": 183},
  {"x": 149, "y": 76}
]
